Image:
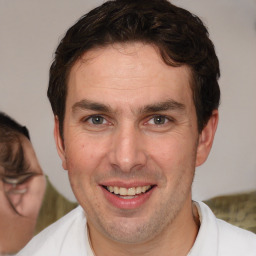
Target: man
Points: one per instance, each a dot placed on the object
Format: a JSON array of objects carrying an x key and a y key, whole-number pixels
[
  {"x": 22, "y": 186},
  {"x": 134, "y": 91}
]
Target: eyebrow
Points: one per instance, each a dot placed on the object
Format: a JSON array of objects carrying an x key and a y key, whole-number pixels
[
  {"x": 157, "y": 107},
  {"x": 163, "y": 106},
  {"x": 89, "y": 105}
]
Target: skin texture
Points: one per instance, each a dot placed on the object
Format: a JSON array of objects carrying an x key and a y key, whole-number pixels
[
  {"x": 129, "y": 89},
  {"x": 17, "y": 230}
]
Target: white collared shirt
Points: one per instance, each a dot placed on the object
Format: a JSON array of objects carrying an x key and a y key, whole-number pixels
[{"x": 69, "y": 237}]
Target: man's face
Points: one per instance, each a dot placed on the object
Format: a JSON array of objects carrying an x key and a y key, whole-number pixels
[{"x": 130, "y": 141}]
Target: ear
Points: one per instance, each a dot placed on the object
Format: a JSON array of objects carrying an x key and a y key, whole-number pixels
[
  {"x": 206, "y": 138},
  {"x": 59, "y": 143}
]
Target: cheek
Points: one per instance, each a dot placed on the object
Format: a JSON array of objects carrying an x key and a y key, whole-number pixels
[
  {"x": 84, "y": 156},
  {"x": 79, "y": 157},
  {"x": 172, "y": 150},
  {"x": 175, "y": 157}
]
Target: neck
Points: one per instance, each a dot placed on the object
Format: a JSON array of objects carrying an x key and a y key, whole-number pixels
[{"x": 176, "y": 239}]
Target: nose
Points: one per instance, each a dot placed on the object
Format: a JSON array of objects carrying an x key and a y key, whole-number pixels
[{"x": 127, "y": 149}]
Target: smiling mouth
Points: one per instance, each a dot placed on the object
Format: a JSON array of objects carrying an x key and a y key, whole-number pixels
[{"x": 128, "y": 193}]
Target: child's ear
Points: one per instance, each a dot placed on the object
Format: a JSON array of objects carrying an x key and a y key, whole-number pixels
[
  {"x": 59, "y": 143},
  {"x": 206, "y": 138}
]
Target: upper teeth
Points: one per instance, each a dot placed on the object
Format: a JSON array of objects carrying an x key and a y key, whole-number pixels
[{"x": 128, "y": 191}]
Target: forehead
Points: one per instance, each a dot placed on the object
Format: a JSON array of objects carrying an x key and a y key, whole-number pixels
[{"x": 127, "y": 71}]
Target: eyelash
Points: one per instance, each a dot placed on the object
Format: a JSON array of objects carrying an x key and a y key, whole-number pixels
[
  {"x": 166, "y": 119},
  {"x": 105, "y": 121},
  {"x": 94, "y": 116}
]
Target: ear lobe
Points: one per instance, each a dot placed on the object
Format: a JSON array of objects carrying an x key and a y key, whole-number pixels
[
  {"x": 206, "y": 138},
  {"x": 59, "y": 143}
]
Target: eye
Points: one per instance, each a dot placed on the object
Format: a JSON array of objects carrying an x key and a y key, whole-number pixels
[
  {"x": 96, "y": 120},
  {"x": 158, "y": 120}
]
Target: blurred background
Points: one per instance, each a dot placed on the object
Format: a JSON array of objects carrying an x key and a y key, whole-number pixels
[{"x": 30, "y": 31}]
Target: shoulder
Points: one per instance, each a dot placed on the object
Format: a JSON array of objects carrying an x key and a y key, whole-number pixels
[
  {"x": 222, "y": 237},
  {"x": 235, "y": 239},
  {"x": 237, "y": 209},
  {"x": 60, "y": 238}
]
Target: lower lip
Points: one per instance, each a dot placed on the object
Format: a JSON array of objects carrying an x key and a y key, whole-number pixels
[{"x": 132, "y": 203}]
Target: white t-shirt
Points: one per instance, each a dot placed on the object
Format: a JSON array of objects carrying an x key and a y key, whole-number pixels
[{"x": 68, "y": 237}]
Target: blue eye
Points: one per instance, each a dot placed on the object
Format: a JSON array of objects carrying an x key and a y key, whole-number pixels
[
  {"x": 96, "y": 120},
  {"x": 158, "y": 120}
]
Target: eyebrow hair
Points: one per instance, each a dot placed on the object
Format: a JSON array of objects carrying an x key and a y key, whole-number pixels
[
  {"x": 163, "y": 106},
  {"x": 87, "y": 104},
  {"x": 157, "y": 107}
]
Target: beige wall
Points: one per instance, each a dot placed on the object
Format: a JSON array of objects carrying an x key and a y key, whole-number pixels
[{"x": 30, "y": 30}]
